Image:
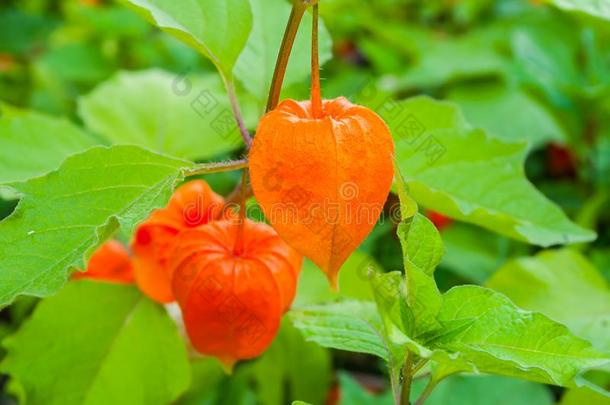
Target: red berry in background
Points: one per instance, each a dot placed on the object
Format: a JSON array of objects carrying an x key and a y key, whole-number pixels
[
  {"x": 193, "y": 204},
  {"x": 233, "y": 285},
  {"x": 561, "y": 162},
  {"x": 111, "y": 263},
  {"x": 439, "y": 220}
]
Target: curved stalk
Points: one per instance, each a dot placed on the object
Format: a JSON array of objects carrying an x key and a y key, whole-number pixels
[
  {"x": 298, "y": 9},
  {"x": 216, "y": 167}
]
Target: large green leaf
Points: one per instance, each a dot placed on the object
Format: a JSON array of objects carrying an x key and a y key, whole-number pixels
[
  {"x": 466, "y": 174},
  {"x": 97, "y": 343},
  {"x": 64, "y": 215},
  {"x": 302, "y": 369},
  {"x": 217, "y": 29},
  {"x": 422, "y": 251},
  {"x": 564, "y": 286},
  {"x": 32, "y": 144},
  {"x": 491, "y": 107},
  {"x": 185, "y": 116},
  {"x": 348, "y": 325},
  {"x": 256, "y": 64},
  {"x": 491, "y": 335},
  {"x": 485, "y": 390},
  {"x": 597, "y": 8}
]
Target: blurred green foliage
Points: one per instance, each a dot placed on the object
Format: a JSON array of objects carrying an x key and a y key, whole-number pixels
[{"x": 521, "y": 70}]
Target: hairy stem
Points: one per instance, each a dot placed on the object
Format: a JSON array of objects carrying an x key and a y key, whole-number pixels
[
  {"x": 298, "y": 9},
  {"x": 316, "y": 99},
  {"x": 407, "y": 379},
  {"x": 216, "y": 167},
  {"x": 237, "y": 114}
]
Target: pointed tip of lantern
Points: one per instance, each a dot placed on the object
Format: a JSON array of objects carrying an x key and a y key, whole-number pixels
[
  {"x": 227, "y": 365},
  {"x": 333, "y": 280}
]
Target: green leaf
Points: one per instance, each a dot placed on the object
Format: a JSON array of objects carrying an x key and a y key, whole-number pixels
[
  {"x": 97, "y": 343},
  {"x": 217, "y": 29},
  {"x": 485, "y": 390},
  {"x": 490, "y": 107},
  {"x": 564, "y": 286},
  {"x": 464, "y": 173},
  {"x": 474, "y": 253},
  {"x": 596, "y": 8},
  {"x": 32, "y": 144},
  {"x": 302, "y": 369},
  {"x": 422, "y": 251},
  {"x": 348, "y": 325},
  {"x": 185, "y": 116},
  {"x": 352, "y": 393},
  {"x": 256, "y": 64},
  {"x": 440, "y": 58},
  {"x": 491, "y": 335},
  {"x": 584, "y": 395},
  {"x": 65, "y": 215}
]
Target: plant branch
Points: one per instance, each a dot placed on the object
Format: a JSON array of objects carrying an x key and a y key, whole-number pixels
[
  {"x": 237, "y": 114},
  {"x": 427, "y": 391},
  {"x": 298, "y": 9},
  {"x": 216, "y": 167},
  {"x": 407, "y": 379}
]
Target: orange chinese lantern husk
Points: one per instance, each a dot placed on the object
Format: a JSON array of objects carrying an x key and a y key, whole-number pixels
[
  {"x": 192, "y": 205},
  {"x": 233, "y": 293},
  {"x": 322, "y": 180},
  {"x": 110, "y": 263}
]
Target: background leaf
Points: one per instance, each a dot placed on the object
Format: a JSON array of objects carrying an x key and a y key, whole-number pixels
[
  {"x": 563, "y": 285},
  {"x": 32, "y": 144},
  {"x": 491, "y": 106},
  {"x": 485, "y": 390},
  {"x": 596, "y": 8},
  {"x": 255, "y": 66},
  {"x": 185, "y": 116},
  {"x": 97, "y": 343},
  {"x": 66, "y": 214},
  {"x": 491, "y": 335},
  {"x": 217, "y": 29},
  {"x": 464, "y": 173}
]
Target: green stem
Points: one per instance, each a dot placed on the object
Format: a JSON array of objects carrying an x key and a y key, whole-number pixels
[
  {"x": 237, "y": 114},
  {"x": 427, "y": 391},
  {"x": 407, "y": 379},
  {"x": 216, "y": 167},
  {"x": 298, "y": 9}
]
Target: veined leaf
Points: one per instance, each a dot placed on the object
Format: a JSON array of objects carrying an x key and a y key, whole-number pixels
[
  {"x": 491, "y": 335},
  {"x": 464, "y": 173},
  {"x": 349, "y": 325},
  {"x": 185, "y": 116},
  {"x": 32, "y": 144},
  {"x": 217, "y": 29},
  {"x": 490, "y": 107},
  {"x": 596, "y": 8},
  {"x": 63, "y": 216},
  {"x": 422, "y": 251},
  {"x": 563, "y": 285},
  {"x": 256, "y": 64},
  {"x": 97, "y": 343}
]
